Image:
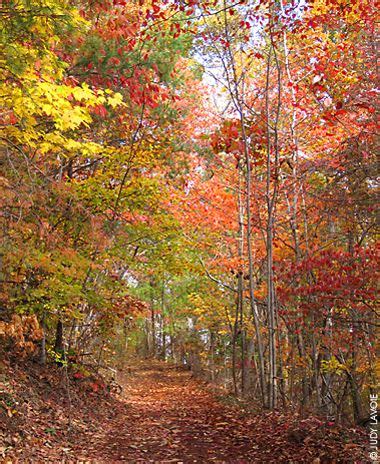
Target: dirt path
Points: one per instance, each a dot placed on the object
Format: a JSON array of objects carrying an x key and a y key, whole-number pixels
[
  {"x": 170, "y": 417},
  {"x": 162, "y": 416}
]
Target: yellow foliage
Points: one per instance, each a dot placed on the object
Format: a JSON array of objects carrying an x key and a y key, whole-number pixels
[
  {"x": 210, "y": 312},
  {"x": 38, "y": 102},
  {"x": 333, "y": 365}
]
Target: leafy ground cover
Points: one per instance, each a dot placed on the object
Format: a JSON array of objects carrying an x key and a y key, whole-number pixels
[{"x": 163, "y": 414}]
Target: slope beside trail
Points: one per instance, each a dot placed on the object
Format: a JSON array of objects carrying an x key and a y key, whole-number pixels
[{"x": 171, "y": 417}]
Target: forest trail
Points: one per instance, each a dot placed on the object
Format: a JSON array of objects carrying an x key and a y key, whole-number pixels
[{"x": 171, "y": 417}]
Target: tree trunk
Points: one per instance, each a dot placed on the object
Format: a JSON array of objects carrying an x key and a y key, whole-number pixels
[
  {"x": 43, "y": 342},
  {"x": 237, "y": 99},
  {"x": 153, "y": 324},
  {"x": 58, "y": 344},
  {"x": 212, "y": 356}
]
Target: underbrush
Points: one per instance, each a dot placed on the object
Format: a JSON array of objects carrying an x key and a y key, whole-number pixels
[{"x": 45, "y": 409}]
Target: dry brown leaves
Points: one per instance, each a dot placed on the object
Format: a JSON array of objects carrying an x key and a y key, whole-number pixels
[{"x": 164, "y": 416}]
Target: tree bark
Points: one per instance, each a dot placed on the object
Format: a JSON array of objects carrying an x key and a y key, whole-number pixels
[
  {"x": 58, "y": 344},
  {"x": 43, "y": 342}
]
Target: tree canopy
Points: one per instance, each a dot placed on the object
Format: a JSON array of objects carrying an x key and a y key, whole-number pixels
[{"x": 194, "y": 181}]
